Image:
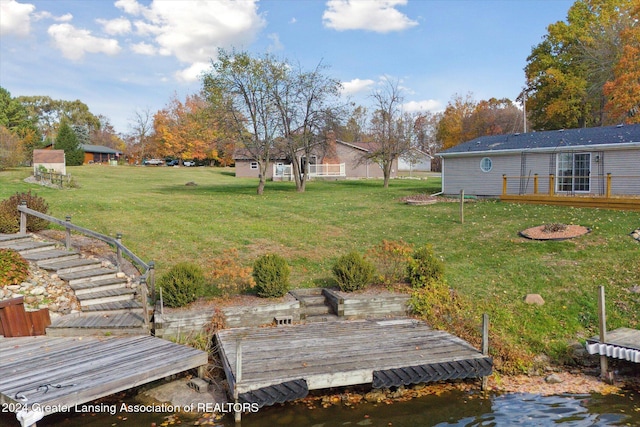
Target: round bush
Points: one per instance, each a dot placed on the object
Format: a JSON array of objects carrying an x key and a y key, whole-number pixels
[
  {"x": 353, "y": 272},
  {"x": 271, "y": 274},
  {"x": 424, "y": 267},
  {"x": 13, "y": 268},
  {"x": 10, "y": 217},
  {"x": 182, "y": 284}
]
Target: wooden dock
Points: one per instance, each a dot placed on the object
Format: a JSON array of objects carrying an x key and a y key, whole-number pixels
[
  {"x": 622, "y": 343},
  {"x": 283, "y": 363},
  {"x": 50, "y": 374}
]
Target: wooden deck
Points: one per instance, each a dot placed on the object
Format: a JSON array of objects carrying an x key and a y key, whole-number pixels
[
  {"x": 622, "y": 343},
  {"x": 283, "y": 363},
  {"x": 55, "y": 374},
  {"x": 618, "y": 202}
]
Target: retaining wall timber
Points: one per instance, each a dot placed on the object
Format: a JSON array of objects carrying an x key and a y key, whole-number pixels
[{"x": 361, "y": 306}]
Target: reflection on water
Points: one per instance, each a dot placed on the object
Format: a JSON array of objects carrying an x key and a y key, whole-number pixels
[{"x": 448, "y": 409}]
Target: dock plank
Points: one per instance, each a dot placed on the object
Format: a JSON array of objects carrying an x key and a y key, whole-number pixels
[
  {"x": 337, "y": 353},
  {"x": 87, "y": 368}
]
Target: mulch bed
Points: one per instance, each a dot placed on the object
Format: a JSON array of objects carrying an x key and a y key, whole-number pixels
[{"x": 539, "y": 233}]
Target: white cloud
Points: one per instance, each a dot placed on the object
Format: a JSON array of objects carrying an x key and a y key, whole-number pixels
[
  {"x": 427, "y": 105},
  {"x": 48, "y": 15},
  {"x": 379, "y": 16},
  {"x": 132, "y": 7},
  {"x": 15, "y": 18},
  {"x": 193, "y": 31},
  {"x": 192, "y": 73},
  {"x": 355, "y": 86},
  {"x": 275, "y": 44},
  {"x": 74, "y": 42},
  {"x": 143, "y": 48},
  {"x": 115, "y": 26}
]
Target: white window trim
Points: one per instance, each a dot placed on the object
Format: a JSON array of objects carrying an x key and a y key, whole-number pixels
[{"x": 482, "y": 164}]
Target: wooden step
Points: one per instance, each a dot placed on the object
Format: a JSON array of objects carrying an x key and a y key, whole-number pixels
[
  {"x": 88, "y": 275},
  {"x": 126, "y": 306},
  {"x": 311, "y": 300},
  {"x": 322, "y": 318},
  {"x": 15, "y": 237},
  {"x": 99, "y": 285},
  {"x": 27, "y": 247},
  {"x": 98, "y": 324},
  {"x": 51, "y": 256},
  {"x": 102, "y": 297},
  {"x": 315, "y": 310},
  {"x": 70, "y": 266}
]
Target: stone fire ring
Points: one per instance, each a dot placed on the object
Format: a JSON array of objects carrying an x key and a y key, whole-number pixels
[{"x": 572, "y": 231}]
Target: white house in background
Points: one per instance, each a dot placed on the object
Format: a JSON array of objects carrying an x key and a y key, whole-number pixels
[
  {"x": 575, "y": 161},
  {"x": 415, "y": 161}
]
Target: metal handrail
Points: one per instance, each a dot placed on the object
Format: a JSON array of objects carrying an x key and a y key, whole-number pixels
[{"x": 147, "y": 270}]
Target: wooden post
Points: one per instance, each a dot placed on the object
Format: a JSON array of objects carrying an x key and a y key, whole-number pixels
[
  {"x": 535, "y": 183},
  {"x": 552, "y": 184},
  {"x": 485, "y": 344},
  {"x": 237, "y": 414},
  {"x": 462, "y": 206},
  {"x": 119, "y": 251},
  {"x": 152, "y": 280},
  {"x": 23, "y": 219},
  {"x": 504, "y": 184},
  {"x": 144, "y": 296},
  {"x": 602, "y": 316},
  {"x": 67, "y": 239},
  {"x": 608, "y": 193}
]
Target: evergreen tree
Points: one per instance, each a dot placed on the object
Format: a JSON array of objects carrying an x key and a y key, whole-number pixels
[{"x": 68, "y": 141}]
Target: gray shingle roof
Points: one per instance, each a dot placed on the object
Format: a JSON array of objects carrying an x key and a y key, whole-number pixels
[
  {"x": 98, "y": 149},
  {"x": 559, "y": 140}
]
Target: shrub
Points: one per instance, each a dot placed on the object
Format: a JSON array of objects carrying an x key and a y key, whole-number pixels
[
  {"x": 271, "y": 274},
  {"x": 390, "y": 261},
  {"x": 182, "y": 284},
  {"x": 10, "y": 217},
  {"x": 424, "y": 267},
  {"x": 228, "y": 276},
  {"x": 353, "y": 272},
  {"x": 13, "y": 268}
]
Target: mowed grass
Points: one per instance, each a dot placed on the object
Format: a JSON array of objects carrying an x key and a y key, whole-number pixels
[{"x": 164, "y": 220}]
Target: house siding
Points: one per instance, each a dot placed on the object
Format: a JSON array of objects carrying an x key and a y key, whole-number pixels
[{"x": 464, "y": 172}]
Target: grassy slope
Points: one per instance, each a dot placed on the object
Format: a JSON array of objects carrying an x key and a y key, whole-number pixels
[{"x": 164, "y": 220}]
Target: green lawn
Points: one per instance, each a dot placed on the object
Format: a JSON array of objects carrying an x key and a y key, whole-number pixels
[{"x": 166, "y": 221}]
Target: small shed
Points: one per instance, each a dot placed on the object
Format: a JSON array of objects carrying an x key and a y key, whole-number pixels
[{"x": 49, "y": 159}]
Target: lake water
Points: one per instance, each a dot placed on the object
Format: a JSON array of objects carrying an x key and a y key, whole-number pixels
[{"x": 454, "y": 408}]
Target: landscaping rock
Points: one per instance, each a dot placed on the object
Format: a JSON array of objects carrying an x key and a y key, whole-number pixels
[
  {"x": 534, "y": 299},
  {"x": 553, "y": 379}
]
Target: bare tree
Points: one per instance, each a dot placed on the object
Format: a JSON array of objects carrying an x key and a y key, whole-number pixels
[
  {"x": 141, "y": 130},
  {"x": 391, "y": 128},
  {"x": 244, "y": 85}
]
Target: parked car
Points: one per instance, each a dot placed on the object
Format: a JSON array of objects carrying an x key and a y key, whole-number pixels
[
  {"x": 155, "y": 162},
  {"x": 174, "y": 162},
  {"x": 189, "y": 163}
]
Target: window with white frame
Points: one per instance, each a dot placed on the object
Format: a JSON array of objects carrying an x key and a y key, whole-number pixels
[
  {"x": 253, "y": 165},
  {"x": 486, "y": 164},
  {"x": 573, "y": 172}
]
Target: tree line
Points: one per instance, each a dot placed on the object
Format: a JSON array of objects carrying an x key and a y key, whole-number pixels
[{"x": 585, "y": 72}]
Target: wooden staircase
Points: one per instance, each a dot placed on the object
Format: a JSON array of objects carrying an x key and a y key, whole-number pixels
[
  {"x": 109, "y": 305},
  {"x": 313, "y": 305}
]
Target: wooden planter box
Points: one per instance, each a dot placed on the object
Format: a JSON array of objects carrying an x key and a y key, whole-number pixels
[
  {"x": 183, "y": 322},
  {"x": 366, "y": 305}
]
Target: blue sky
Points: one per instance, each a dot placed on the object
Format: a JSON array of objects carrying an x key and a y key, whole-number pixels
[{"x": 127, "y": 55}]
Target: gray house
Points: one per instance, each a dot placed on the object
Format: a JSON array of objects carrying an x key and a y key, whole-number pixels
[{"x": 562, "y": 162}]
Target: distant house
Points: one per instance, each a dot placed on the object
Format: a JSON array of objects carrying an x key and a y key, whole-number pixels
[
  {"x": 95, "y": 153},
  {"x": 99, "y": 154},
  {"x": 415, "y": 161},
  {"x": 334, "y": 160},
  {"x": 571, "y": 161},
  {"x": 51, "y": 160}
]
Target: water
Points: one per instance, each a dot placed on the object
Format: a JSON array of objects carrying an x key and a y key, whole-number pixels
[{"x": 454, "y": 408}]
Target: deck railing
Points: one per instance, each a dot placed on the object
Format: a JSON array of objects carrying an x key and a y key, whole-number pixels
[
  {"x": 315, "y": 171},
  {"x": 146, "y": 269},
  {"x": 599, "y": 186}
]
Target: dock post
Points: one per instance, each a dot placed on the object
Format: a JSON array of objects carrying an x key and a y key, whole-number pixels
[
  {"x": 67, "y": 238},
  {"x": 462, "y": 206},
  {"x": 237, "y": 413},
  {"x": 602, "y": 316},
  {"x": 485, "y": 344}
]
